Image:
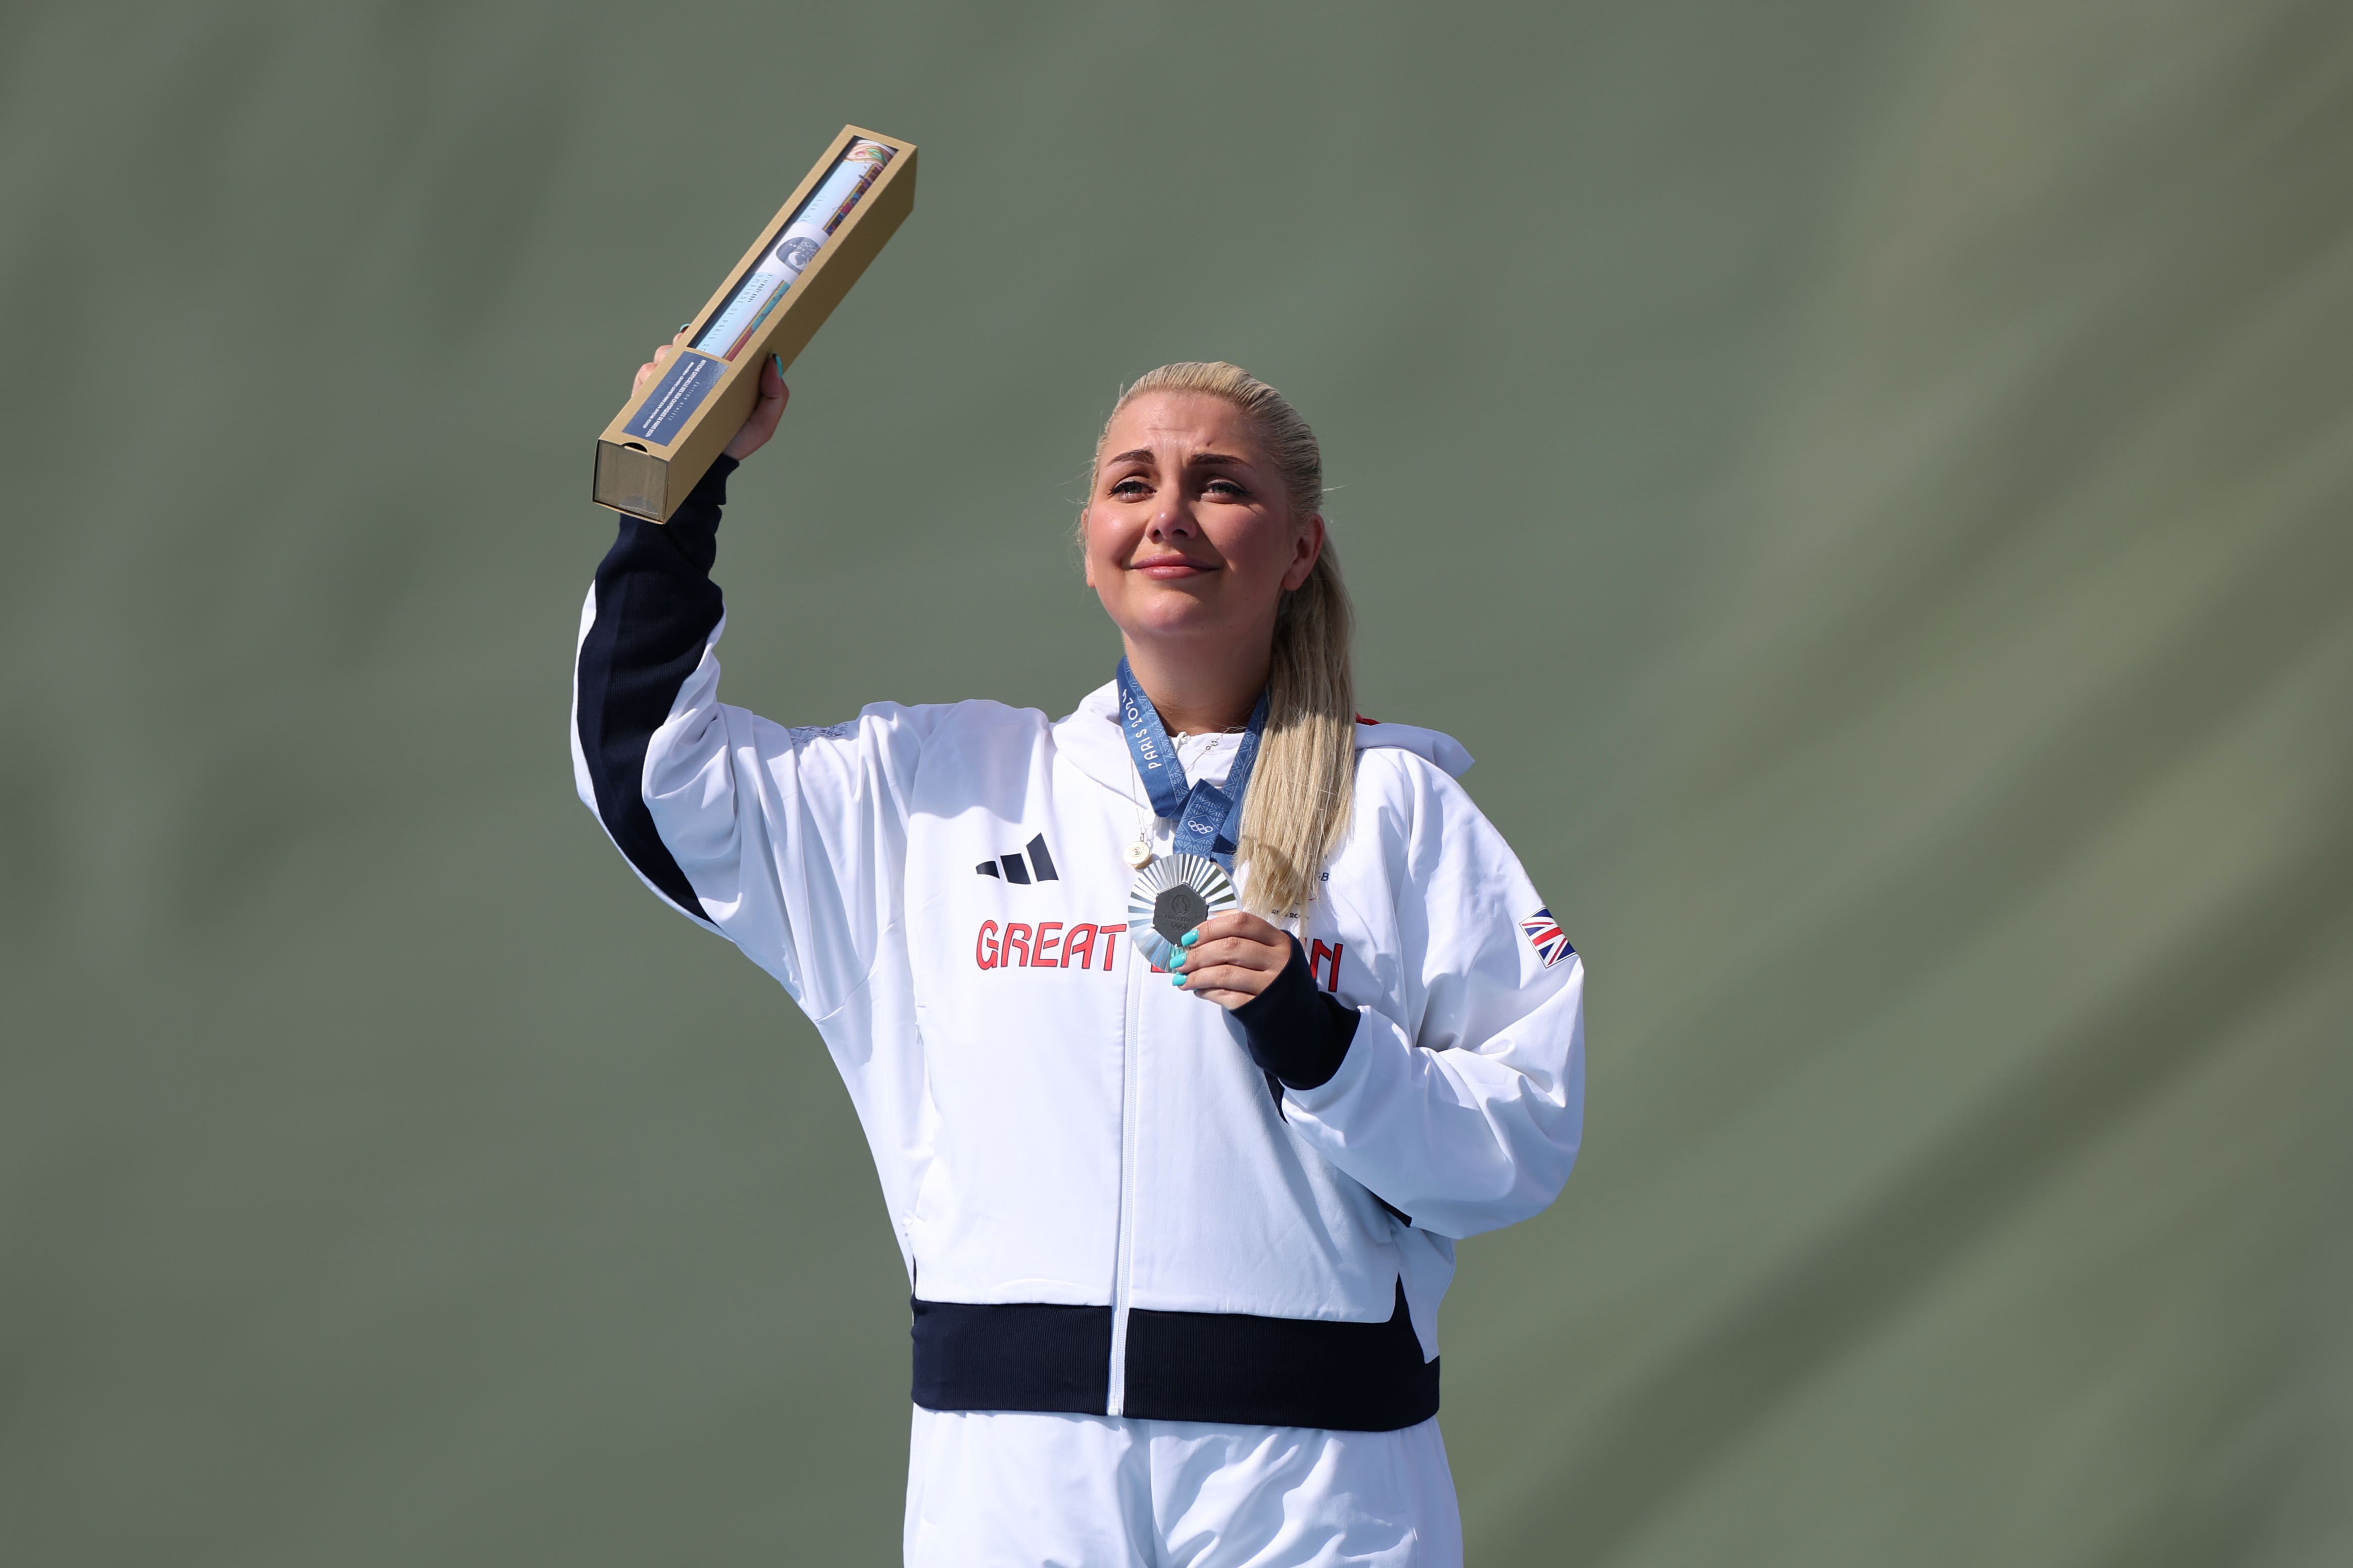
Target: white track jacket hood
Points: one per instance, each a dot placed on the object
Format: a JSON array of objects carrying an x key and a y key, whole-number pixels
[{"x": 1105, "y": 1206}]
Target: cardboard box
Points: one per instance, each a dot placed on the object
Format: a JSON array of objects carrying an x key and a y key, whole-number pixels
[{"x": 670, "y": 432}]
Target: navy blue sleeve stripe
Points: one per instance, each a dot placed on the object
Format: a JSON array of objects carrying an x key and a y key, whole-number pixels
[{"x": 656, "y": 606}]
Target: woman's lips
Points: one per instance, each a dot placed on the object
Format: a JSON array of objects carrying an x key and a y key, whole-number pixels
[{"x": 1172, "y": 568}]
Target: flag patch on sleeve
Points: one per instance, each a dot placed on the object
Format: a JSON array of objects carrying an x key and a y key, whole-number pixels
[{"x": 1544, "y": 933}]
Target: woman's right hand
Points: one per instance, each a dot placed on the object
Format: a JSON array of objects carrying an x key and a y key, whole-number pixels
[{"x": 774, "y": 395}]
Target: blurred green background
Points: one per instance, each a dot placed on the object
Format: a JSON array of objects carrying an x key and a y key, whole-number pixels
[{"x": 1870, "y": 483}]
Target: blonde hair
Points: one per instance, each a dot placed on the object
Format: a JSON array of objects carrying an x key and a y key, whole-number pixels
[{"x": 1297, "y": 805}]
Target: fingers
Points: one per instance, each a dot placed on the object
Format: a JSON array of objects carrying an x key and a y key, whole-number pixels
[
  {"x": 1243, "y": 984},
  {"x": 774, "y": 395},
  {"x": 1230, "y": 954},
  {"x": 1229, "y": 959},
  {"x": 653, "y": 364},
  {"x": 1236, "y": 937},
  {"x": 1242, "y": 923},
  {"x": 765, "y": 411}
]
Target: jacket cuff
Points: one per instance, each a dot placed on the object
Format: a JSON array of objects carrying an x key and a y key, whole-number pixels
[
  {"x": 1294, "y": 1030},
  {"x": 693, "y": 529}
]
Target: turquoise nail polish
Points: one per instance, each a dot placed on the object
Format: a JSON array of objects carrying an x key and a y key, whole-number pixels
[
  {"x": 1176, "y": 980},
  {"x": 1192, "y": 936}
]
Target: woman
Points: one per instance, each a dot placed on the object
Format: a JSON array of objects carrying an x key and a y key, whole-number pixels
[{"x": 1176, "y": 1232}]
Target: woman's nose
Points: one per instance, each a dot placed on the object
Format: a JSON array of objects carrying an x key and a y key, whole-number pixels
[{"x": 1173, "y": 518}]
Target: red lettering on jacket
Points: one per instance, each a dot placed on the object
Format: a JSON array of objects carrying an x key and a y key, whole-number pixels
[
  {"x": 1051, "y": 945},
  {"x": 1316, "y": 957}
]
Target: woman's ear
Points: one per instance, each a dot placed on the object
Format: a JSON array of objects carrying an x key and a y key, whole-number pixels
[
  {"x": 1308, "y": 550},
  {"x": 1086, "y": 546}
]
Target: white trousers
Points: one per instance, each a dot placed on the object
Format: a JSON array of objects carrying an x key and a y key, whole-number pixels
[{"x": 1012, "y": 1490}]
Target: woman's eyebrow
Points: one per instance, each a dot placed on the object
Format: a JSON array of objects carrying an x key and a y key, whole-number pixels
[{"x": 1145, "y": 455}]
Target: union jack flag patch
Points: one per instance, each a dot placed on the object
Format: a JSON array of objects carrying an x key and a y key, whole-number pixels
[{"x": 1544, "y": 933}]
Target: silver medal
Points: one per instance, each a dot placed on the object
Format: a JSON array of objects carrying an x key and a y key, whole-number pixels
[{"x": 1171, "y": 897}]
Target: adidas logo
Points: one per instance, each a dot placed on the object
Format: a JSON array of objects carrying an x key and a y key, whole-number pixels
[{"x": 1016, "y": 869}]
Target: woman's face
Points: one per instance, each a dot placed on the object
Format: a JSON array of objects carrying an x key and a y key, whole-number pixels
[{"x": 1189, "y": 537}]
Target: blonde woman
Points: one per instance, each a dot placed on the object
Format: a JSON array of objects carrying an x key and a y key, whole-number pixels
[{"x": 1189, "y": 1032}]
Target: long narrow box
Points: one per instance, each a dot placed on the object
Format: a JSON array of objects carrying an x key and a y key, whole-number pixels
[{"x": 671, "y": 429}]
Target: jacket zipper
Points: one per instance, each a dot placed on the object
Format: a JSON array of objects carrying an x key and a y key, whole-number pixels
[{"x": 1123, "y": 1250}]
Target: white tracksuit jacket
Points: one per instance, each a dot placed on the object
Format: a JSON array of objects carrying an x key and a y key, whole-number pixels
[{"x": 1105, "y": 1206}]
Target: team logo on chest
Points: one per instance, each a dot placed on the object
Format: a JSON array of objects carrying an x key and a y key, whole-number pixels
[
  {"x": 1017, "y": 871},
  {"x": 1544, "y": 934}
]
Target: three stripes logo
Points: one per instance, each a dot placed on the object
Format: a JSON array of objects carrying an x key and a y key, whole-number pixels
[{"x": 1017, "y": 871}]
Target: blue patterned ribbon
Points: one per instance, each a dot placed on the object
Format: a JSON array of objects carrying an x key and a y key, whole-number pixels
[{"x": 1209, "y": 818}]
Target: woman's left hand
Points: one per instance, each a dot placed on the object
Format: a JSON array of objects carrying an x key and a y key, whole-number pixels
[{"x": 1231, "y": 958}]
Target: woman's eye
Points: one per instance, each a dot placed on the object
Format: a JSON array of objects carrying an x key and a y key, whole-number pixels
[
  {"x": 1130, "y": 490},
  {"x": 1226, "y": 488}
]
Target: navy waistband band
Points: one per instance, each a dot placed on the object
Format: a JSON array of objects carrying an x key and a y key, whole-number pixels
[{"x": 1181, "y": 1366}]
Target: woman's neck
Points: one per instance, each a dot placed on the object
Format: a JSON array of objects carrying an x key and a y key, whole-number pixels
[{"x": 1198, "y": 690}]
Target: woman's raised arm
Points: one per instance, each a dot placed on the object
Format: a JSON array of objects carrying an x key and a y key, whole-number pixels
[{"x": 785, "y": 841}]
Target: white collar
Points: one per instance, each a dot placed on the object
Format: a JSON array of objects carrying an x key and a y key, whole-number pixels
[{"x": 1091, "y": 737}]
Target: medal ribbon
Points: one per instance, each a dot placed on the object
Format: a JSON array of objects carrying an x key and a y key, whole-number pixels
[{"x": 1209, "y": 818}]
